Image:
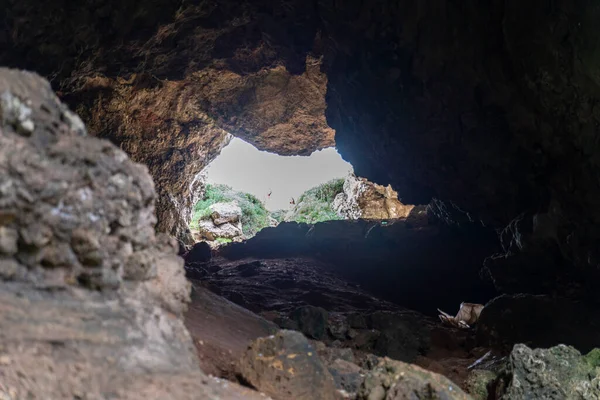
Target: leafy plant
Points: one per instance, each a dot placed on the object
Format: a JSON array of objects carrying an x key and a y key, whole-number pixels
[{"x": 315, "y": 205}]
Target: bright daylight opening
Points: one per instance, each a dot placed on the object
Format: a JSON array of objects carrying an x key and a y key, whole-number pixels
[{"x": 246, "y": 190}]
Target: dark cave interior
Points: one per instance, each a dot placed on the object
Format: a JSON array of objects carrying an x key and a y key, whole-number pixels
[{"x": 485, "y": 115}]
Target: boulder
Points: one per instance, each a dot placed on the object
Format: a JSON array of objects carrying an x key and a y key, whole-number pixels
[
  {"x": 209, "y": 231},
  {"x": 286, "y": 366},
  {"x": 557, "y": 373},
  {"x": 223, "y": 213},
  {"x": 367, "y": 200},
  {"x": 395, "y": 380},
  {"x": 91, "y": 297},
  {"x": 224, "y": 221}
]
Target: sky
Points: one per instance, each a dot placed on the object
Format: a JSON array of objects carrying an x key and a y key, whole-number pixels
[{"x": 247, "y": 169}]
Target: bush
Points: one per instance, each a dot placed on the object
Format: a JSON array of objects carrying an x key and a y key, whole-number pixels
[
  {"x": 254, "y": 214},
  {"x": 315, "y": 205}
]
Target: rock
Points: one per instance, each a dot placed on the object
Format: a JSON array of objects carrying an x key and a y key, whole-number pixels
[
  {"x": 222, "y": 213},
  {"x": 199, "y": 253},
  {"x": 312, "y": 321},
  {"x": 286, "y": 366},
  {"x": 395, "y": 380},
  {"x": 538, "y": 321},
  {"x": 209, "y": 231},
  {"x": 8, "y": 241},
  {"x": 94, "y": 300},
  {"x": 367, "y": 200},
  {"x": 346, "y": 375},
  {"x": 556, "y": 373}
]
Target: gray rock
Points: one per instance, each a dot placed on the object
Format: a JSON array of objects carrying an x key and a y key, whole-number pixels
[
  {"x": 223, "y": 213},
  {"x": 560, "y": 372}
]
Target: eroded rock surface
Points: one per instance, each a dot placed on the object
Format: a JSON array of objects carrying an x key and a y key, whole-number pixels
[
  {"x": 559, "y": 372},
  {"x": 91, "y": 298},
  {"x": 367, "y": 200}
]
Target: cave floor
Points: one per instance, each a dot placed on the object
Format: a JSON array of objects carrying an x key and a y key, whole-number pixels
[{"x": 235, "y": 302}]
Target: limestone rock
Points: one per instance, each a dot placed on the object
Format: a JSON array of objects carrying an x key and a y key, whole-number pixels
[
  {"x": 286, "y": 366},
  {"x": 91, "y": 297},
  {"x": 367, "y": 200},
  {"x": 223, "y": 213},
  {"x": 395, "y": 380},
  {"x": 207, "y": 230},
  {"x": 224, "y": 221},
  {"x": 556, "y": 373}
]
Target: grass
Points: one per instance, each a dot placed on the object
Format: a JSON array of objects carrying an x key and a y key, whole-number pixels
[
  {"x": 254, "y": 214},
  {"x": 315, "y": 205}
]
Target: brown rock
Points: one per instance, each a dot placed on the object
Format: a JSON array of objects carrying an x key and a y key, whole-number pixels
[{"x": 287, "y": 366}]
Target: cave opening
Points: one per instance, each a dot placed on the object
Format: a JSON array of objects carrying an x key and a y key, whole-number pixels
[
  {"x": 244, "y": 190},
  {"x": 259, "y": 189},
  {"x": 483, "y": 116}
]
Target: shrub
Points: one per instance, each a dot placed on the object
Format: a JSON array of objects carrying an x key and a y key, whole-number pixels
[
  {"x": 254, "y": 215},
  {"x": 315, "y": 205}
]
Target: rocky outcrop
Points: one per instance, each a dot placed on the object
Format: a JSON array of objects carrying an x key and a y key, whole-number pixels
[
  {"x": 166, "y": 83},
  {"x": 556, "y": 373},
  {"x": 224, "y": 221},
  {"x": 367, "y": 200},
  {"x": 91, "y": 297},
  {"x": 492, "y": 111}
]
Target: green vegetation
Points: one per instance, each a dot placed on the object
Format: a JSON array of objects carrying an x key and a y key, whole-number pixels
[
  {"x": 315, "y": 205},
  {"x": 254, "y": 215}
]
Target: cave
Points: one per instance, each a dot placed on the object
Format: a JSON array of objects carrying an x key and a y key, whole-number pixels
[{"x": 482, "y": 118}]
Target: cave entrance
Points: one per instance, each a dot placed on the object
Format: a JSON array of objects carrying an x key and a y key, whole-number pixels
[{"x": 245, "y": 190}]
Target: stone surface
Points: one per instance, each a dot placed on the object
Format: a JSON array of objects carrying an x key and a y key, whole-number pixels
[
  {"x": 91, "y": 298},
  {"x": 395, "y": 380},
  {"x": 556, "y": 373},
  {"x": 222, "y": 213},
  {"x": 367, "y": 200},
  {"x": 207, "y": 230},
  {"x": 287, "y": 366}
]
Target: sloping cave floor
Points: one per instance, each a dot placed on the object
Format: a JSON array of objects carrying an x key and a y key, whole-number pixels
[
  {"x": 324, "y": 281},
  {"x": 361, "y": 290},
  {"x": 264, "y": 295}
]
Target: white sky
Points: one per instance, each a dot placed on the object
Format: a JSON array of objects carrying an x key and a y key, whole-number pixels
[{"x": 247, "y": 169}]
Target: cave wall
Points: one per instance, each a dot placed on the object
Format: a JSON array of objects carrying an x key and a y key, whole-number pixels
[
  {"x": 488, "y": 108},
  {"x": 167, "y": 81}
]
